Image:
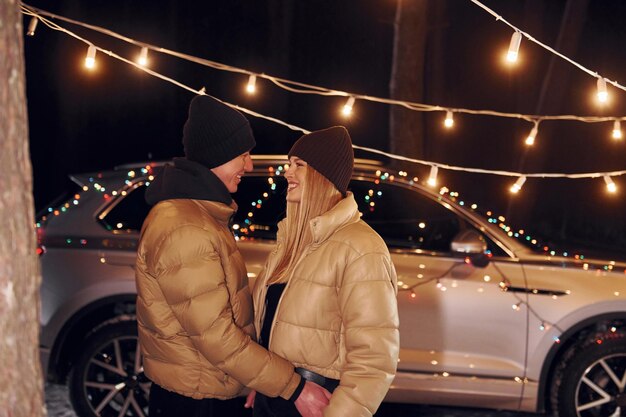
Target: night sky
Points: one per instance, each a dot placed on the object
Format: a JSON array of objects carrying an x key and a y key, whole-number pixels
[{"x": 86, "y": 121}]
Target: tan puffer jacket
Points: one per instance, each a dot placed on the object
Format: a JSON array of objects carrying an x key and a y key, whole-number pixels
[
  {"x": 338, "y": 314},
  {"x": 194, "y": 307}
]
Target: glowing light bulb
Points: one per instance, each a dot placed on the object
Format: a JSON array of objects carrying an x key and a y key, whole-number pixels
[
  {"x": 530, "y": 140},
  {"x": 432, "y": 177},
  {"x": 603, "y": 94},
  {"x": 617, "y": 130},
  {"x": 251, "y": 86},
  {"x": 518, "y": 184},
  {"x": 347, "y": 108},
  {"x": 32, "y": 25},
  {"x": 516, "y": 39},
  {"x": 90, "y": 60},
  {"x": 449, "y": 121},
  {"x": 143, "y": 57},
  {"x": 610, "y": 185}
]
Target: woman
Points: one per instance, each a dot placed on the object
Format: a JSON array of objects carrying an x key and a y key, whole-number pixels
[{"x": 326, "y": 300}]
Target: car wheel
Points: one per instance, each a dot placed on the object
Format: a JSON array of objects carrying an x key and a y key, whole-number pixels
[
  {"x": 594, "y": 379},
  {"x": 107, "y": 378}
]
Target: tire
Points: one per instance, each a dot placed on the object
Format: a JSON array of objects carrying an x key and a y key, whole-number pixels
[
  {"x": 107, "y": 378},
  {"x": 593, "y": 379}
]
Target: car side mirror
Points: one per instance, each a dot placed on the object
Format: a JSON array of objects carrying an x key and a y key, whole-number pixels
[{"x": 471, "y": 244}]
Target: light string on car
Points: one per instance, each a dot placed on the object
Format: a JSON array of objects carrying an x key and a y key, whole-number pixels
[
  {"x": 38, "y": 15},
  {"x": 145, "y": 174}
]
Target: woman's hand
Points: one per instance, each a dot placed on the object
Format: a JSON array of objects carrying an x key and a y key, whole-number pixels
[
  {"x": 312, "y": 400},
  {"x": 250, "y": 399}
]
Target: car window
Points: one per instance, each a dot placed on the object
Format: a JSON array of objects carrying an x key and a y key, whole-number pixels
[
  {"x": 261, "y": 202},
  {"x": 406, "y": 218},
  {"x": 128, "y": 213},
  {"x": 403, "y": 217}
]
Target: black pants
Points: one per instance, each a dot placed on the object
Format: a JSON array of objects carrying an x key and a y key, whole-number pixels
[
  {"x": 164, "y": 403},
  {"x": 273, "y": 407}
]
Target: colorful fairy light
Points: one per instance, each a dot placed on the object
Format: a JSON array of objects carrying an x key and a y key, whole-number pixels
[{"x": 449, "y": 120}]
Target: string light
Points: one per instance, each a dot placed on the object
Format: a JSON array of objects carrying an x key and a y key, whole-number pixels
[
  {"x": 516, "y": 39},
  {"x": 313, "y": 89},
  {"x": 518, "y": 184},
  {"x": 617, "y": 130},
  {"x": 603, "y": 94},
  {"x": 90, "y": 60},
  {"x": 319, "y": 90},
  {"x": 32, "y": 25},
  {"x": 449, "y": 121},
  {"x": 143, "y": 57},
  {"x": 530, "y": 140},
  {"x": 610, "y": 185},
  {"x": 432, "y": 177},
  {"x": 347, "y": 108},
  {"x": 499, "y": 18},
  {"x": 251, "y": 86}
]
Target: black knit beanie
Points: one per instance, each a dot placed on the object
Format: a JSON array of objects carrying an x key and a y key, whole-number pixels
[
  {"x": 329, "y": 152},
  {"x": 215, "y": 133}
]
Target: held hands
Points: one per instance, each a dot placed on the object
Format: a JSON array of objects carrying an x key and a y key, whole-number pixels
[
  {"x": 312, "y": 400},
  {"x": 250, "y": 399}
]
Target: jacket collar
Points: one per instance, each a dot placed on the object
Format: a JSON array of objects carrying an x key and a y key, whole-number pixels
[
  {"x": 187, "y": 180},
  {"x": 345, "y": 212},
  {"x": 219, "y": 211}
]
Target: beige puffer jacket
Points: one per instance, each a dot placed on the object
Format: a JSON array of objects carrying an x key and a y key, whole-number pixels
[
  {"x": 338, "y": 314},
  {"x": 194, "y": 307}
]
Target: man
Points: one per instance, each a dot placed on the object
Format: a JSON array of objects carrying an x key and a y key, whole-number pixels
[{"x": 194, "y": 308}]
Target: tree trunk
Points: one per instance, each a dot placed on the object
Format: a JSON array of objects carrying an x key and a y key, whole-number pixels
[
  {"x": 406, "y": 127},
  {"x": 21, "y": 391}
]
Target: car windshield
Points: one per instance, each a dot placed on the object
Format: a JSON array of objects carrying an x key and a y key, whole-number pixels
[{"x": 549, "y": 242}]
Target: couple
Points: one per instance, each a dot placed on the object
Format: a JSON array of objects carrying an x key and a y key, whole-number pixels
[{"x": 323, "y": 310}]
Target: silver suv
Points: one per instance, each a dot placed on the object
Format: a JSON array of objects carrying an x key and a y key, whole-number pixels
[{"x": 486, "y": 320}]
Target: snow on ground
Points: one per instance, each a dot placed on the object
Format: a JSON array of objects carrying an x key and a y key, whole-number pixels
[{"x": 58, "y": 402}]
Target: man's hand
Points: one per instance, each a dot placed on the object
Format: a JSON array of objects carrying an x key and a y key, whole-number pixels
[
  {"x": 250, "y": 399},
  {"x": 312, "y": 400}
]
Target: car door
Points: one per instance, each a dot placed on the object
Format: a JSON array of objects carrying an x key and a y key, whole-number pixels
[{"x": 463, "y": 335}]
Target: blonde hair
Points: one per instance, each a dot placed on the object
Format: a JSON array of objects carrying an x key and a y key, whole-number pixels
[{"x": 318, "y": 196}]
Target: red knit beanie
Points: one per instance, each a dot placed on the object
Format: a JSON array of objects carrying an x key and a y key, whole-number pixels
[{"x": 329, "y": 152}]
